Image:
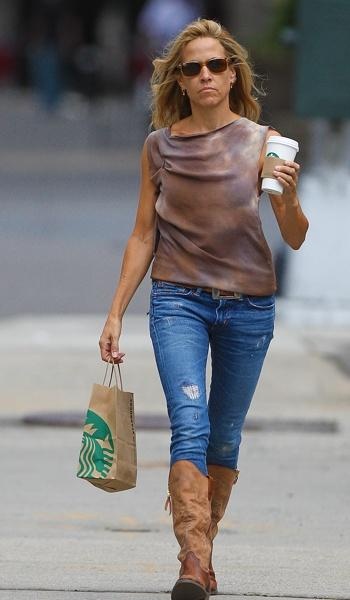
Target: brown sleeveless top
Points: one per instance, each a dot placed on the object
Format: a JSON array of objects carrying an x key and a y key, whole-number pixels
[{"x": 209, "y": 229}]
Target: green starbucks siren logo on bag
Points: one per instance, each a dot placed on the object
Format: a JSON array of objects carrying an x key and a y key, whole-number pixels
[
  {"x": 96, "y": 455},
  {"x": 272, "y": 154}
]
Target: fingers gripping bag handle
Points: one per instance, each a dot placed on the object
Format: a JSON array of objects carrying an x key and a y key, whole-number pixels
[{"x": 113, "y": 373}]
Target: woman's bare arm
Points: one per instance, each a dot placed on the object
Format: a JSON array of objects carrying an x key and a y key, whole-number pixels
[
  {"x": 137, "y": 258},
  {"x": 291, "y": 220}
]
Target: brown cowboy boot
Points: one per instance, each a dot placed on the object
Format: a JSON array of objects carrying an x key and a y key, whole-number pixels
[
  {"x": 188, "y": 490},
  {"x": 223, "y": 479}
]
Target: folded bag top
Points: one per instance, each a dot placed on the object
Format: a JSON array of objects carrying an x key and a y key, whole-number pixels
[{"x": 108, "y": 457}]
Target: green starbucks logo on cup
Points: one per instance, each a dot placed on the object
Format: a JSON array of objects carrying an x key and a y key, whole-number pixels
[
  {"x": 96, "y": 455},
  {"x": 273, "y": 154}
]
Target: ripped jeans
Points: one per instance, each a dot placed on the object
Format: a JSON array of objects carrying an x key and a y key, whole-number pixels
[{"x": 183, "y": 323}]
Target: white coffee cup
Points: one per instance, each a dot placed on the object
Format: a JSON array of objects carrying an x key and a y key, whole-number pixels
[{"x": 278, "y": 147}]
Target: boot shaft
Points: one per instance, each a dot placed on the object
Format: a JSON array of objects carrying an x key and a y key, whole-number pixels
[
  {"x": 189, "y": 492},
  {"x": 223, "y": 479}
]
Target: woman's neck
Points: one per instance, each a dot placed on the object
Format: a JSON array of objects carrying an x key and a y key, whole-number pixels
[{"x": 203, "y": 120}]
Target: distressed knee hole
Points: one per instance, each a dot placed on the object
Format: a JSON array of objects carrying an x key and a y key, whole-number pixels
[{"x": 191, "y": 391}]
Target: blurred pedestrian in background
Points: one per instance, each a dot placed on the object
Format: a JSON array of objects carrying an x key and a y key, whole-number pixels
[
  {"x": 160, "y": 20},
  {"x": 213, "y": 275},
  {"x": 43, "y": 55},
  {"x": 60, "y": 50}
]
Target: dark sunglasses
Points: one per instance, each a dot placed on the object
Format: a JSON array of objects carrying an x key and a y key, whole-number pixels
[{"x": 215, "y": 65}]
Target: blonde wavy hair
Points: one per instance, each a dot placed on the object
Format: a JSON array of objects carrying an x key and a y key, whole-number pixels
[{"x": 168, "y": 103}]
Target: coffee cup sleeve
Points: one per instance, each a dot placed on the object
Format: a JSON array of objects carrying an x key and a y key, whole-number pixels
[{"x": 269, "y": 165}]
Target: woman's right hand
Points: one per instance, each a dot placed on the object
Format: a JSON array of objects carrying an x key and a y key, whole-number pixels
[{"x": 109, "y": 341}]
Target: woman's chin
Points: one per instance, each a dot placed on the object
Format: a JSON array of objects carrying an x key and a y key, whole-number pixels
[{"x": 208, "y": 100}]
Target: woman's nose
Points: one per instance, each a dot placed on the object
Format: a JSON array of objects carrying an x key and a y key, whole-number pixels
[{"x": 205, "y": 73}]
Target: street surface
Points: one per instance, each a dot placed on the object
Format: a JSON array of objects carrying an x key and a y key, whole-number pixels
[{"x": 285, "y": 532}]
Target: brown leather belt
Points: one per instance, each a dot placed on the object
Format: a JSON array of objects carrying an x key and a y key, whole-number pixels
[
  {"x": 223, "y": 294},
  {"x": 215, "y": 292}
]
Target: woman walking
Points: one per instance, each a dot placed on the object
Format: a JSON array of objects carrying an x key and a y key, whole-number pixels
[{"x": 213, "y": 280}]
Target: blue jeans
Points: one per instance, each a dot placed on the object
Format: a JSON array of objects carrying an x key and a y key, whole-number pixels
[{"x": 183, "y": 323}]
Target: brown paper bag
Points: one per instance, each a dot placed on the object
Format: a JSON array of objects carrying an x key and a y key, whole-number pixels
[{"x": 107, "y": 457}]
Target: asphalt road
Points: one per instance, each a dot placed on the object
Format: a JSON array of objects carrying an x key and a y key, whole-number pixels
[
  {"x": 69, "y": 187},
  {"x": 61, "y": 240},
  {"x": 60, "y": 534}
]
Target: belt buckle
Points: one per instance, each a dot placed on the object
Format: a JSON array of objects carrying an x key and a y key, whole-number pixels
[{"x": 217, "y": 296}]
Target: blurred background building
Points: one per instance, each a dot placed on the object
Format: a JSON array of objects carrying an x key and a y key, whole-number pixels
[
  {"x": 74, "y": 112},
  {"x": 55, "y": 47}
]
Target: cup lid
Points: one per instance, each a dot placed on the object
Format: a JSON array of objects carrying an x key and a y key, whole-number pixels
[{"x": 278, "y": 139}]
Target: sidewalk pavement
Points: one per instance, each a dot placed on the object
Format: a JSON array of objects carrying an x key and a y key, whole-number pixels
[{"x": 285, "y": 532}]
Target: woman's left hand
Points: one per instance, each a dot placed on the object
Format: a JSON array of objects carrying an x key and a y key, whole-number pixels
[{"x": 287, "y": 175}]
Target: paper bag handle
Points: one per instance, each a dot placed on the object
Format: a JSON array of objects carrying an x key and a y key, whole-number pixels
[{"x": 113, "y": 372}]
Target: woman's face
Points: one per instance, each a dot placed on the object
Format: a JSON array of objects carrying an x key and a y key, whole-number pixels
[{"x": 207, "y": 88}]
